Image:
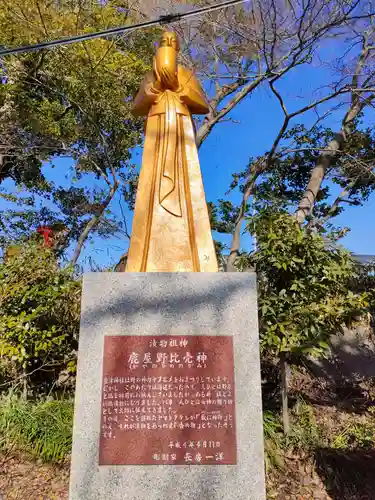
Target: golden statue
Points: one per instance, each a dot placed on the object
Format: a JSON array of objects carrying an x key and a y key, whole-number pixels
[{"x": 171, "y": 227}]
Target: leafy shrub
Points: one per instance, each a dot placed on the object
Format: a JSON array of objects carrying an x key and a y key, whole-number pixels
[
  {"x": 39, "y": 317},
  {"x": 43, "y": 429},
  {"x": 304, "y": 286}
]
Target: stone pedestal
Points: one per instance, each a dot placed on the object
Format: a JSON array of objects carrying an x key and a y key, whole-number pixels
[{"x": 173, "y": 410}]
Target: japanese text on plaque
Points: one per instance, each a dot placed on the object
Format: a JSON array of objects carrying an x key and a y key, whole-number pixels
[{"x": 168, "y": 400}]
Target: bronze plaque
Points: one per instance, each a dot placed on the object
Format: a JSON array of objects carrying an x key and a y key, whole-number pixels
[{"x": 168, "y": 400}]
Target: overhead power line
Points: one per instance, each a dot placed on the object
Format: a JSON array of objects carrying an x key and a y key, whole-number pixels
[{"x": 161, "y": 20}]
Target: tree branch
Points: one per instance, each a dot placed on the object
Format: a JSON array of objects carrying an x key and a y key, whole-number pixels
[
  {"x": 92, "y": 224},
  {"x": 215, "y": 117},
  {"x": 335, "y": 205},
  {"x": 336, "y": 145},
  {"x": 256, "y": 170}
]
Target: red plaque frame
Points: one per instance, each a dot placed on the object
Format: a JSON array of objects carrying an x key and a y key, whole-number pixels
[{"x": 168, "y": 400}]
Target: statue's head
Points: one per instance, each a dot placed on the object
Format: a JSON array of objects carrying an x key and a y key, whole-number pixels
[{"x": 170, "y": 39}]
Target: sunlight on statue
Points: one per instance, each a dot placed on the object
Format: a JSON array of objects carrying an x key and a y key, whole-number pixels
[{"x": 171, "y": 227}]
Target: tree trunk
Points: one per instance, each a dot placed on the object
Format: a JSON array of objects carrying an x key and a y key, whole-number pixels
[
  {"x": 92, "y": 224},
  {"x": 306, "y": 205},
  {"x": 25, "y": 386},
  {"x": 284, "y": 393},
  {"x": 236, "y": 238},
  {"x": 235, "y": 248},
  {"x": 121, "y": 265}
]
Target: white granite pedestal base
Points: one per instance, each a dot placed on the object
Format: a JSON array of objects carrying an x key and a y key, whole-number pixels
[{"x": 168, "y": 304}]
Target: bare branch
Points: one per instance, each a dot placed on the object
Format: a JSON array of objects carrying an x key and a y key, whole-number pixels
[
  {"x": 124, "y": 220},
  {"x": 236, "y": 237},
  {"x": 94, "y": 221},
  {"x": 335, "y": 205},
  {"x": 213, "y": 119},
  {"x": 337, "y": 144}
]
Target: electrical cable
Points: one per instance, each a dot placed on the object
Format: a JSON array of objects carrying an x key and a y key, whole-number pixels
[{"x": 164, "y": 19}]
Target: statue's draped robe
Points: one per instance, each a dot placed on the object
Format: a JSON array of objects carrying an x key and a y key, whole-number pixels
[{"x": 171, "y": 228}]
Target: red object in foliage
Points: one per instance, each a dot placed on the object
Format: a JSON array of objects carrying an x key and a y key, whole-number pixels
[{"x": 47, "y": 233}]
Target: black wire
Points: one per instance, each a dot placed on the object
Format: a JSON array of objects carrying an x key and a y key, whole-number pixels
[{"x": 166, "y": 19}]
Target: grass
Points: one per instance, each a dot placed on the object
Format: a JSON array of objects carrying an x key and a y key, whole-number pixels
[
  {"x": 273, "y": 441},
  {"x": 359, "y": 435},
  {"x": 43, "y": 428},
  {"x": 305, "y": 435},
  {"x": 305, "y": 432}
]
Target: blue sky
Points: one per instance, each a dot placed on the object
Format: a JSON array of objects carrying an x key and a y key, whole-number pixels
[{"x": 255, "y": 123}]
